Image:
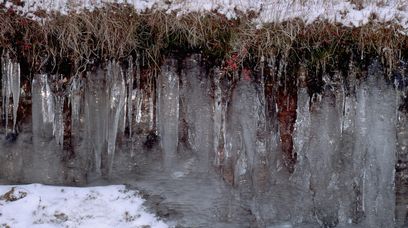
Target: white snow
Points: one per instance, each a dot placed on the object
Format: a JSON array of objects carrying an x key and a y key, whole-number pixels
[
  {"x": 57, "y": 206},
  {"x": 335, "y": 11}
]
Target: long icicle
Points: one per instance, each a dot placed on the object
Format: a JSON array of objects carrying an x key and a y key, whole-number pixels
[
  {"x": 117, "y": 102},
  {"x": 5, "y": 90},
  {"x": 129, "y": 94},
  {"x": 139, "y": 94},
  {"x": 11, "y": 88},
  {"x": 15, "y": 90}
]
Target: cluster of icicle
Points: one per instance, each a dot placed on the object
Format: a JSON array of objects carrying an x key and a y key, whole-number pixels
[
  {"x": 100, "y": 102},
  {"x": 108, "y": 98},
  {"x": 51, "y": 104},
  {"x": 105, "y": 98},
  {"x": 10, "y": 72}
]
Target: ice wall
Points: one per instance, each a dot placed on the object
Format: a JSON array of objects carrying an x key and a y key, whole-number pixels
[{"x": 192, "y": 120}]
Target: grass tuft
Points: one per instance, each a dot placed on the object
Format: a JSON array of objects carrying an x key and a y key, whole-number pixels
[{"x": 80, "y": 40}]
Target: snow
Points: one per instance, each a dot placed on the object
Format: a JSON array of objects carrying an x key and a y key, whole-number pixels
[
  {"x": 335, "y": 11},
  {"x": 51, "y": 206}
]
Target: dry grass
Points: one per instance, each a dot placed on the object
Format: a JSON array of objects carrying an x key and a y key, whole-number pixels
[{"x": 117, "y": 31}]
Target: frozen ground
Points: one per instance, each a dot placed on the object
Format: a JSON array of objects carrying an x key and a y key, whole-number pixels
[{"x": 38, "y": 205}]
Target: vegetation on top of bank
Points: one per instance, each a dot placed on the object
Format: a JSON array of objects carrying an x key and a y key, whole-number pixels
[{"x": 73, "y": 42}]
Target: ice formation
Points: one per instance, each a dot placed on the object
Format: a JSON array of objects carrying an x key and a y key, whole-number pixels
[
  {"x": 75, "y": 98},
  {"x": 10, "y": 88},
  {"x": 117, "y": 96},
  {"x": 129, "y": 105},
  {"x": 168, "y": 110},
  {"x": 347, "y": 136},
  {"x": 104, "y": 102}
]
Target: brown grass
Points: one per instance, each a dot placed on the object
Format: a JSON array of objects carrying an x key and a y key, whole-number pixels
[{"x": 117, "y": 31}]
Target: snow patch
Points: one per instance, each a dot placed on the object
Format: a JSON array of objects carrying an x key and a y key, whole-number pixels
[
  {"x": 335, "y": 11},
  {"x": 58, "y": 206}
]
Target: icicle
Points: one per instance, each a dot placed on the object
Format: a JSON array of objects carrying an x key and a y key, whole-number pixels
[
  {"x": 151, "y": 112},
  {"x": 218, "y": 150},
  {"x": 75, "y": 98},
  {"x": 11, "y": 88},
  {"x": 15, "y": 89},
  {"x": 139, "y": 103},
  {"x": 122, "y": 116},
  {"x": 58, "y": 122},
  {"x": 117, "y": 101},
  {"x": 158, "y": 103},
  {"x": 5, "y": 89},
  {"x": 47, "y": 100},
  {"x": 130, "y": 74},
  {"x": 96, "y": 115},
  {"x": 260, "y": 175},
  {"x": 374, "y": 150},
  {"x": 52, "y": 108},
  {"x": 301, "y": 135},
  {"x": 168, "y": 110},
  {"x": 139, "y": 94}
]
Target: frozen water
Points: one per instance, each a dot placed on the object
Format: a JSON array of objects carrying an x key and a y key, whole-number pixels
[
  {"x": 376, "y": 147},
  {"x": 345, "y": 141},
  {"x": 75, "y": 98},
  {"x": 105, "y": 101},
  {"x": 117, "y": 96},
  {"x": 96, "y": 115},
  {"x": 129, "y": 106},
  {"x": 219, "y": 115},
  {"x": 58, "y": 122},
  {"x": 168, "y": 110},
  {"x": 11, "y": 88}
]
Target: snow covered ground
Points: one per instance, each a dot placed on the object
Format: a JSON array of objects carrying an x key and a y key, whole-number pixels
[
  {"x": 336, "y": 11},
  {"x": 38, "y": 205}
]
